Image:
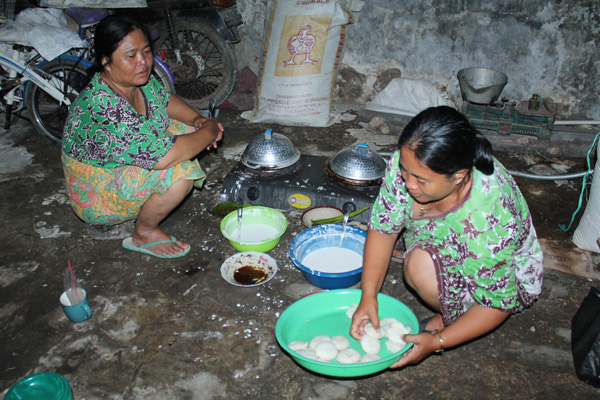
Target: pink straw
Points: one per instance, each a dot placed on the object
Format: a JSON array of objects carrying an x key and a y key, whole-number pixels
[{"x": 72, "y": 275}]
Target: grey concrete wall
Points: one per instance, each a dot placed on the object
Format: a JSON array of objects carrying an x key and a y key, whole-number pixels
[{"x": 549, "y": 47}]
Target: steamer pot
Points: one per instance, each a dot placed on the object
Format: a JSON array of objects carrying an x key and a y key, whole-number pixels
[
  {"x": 270, "y": 150},
  {"x": 358, "y": 164}
]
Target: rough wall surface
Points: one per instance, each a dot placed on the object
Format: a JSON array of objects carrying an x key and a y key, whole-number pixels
[{"x": 547, "y": 47}]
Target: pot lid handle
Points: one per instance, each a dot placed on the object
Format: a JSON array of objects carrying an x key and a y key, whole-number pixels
[
  {"x": 362, "y": 148},
  {"x": 269, "y": 134}
]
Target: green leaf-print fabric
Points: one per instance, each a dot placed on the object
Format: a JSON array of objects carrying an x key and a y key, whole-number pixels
[{"x": 485, "y": 249}]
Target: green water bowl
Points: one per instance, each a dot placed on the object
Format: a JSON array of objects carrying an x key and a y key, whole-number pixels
[{"x": 273, "y": 221}]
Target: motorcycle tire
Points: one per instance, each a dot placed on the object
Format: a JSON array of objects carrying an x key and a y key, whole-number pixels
[
  {"x": 47, "y": 114},
  {"x": 209, "y": 68}
]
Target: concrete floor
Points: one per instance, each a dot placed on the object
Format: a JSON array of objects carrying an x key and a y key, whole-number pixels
[{"x": 174, "y": 329}]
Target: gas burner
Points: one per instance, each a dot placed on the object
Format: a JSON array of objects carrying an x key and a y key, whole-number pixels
[
  {"x": 352, "y": 184},
  {"x": 303, "y": 185},
  {"x": 269, "y": 173}
]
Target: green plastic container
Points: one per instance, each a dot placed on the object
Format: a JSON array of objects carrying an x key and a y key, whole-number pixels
[
  {"x": 42, "y": 386},
  {"x": 324, "y": 313},
  {"x": 254, "y": 215}
]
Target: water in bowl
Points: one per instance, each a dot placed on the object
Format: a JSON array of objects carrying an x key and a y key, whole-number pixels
[
  {"x": 333, "y": 260},
  {"x": 254, "y": 233}
]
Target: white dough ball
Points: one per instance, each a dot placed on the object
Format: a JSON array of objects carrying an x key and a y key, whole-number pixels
[
  {"x": 297, "y": 345},
  {"x": 395, "y": 334},
  {"x": 386, "y": 322},
  {"x": 340, "y": 342},
  {"x": 326, "y": 350},
  {"x": 394, "y": 347},
  {"x": 400, "y": 325},
  {"x": 319, "y": 338},
  {"x": 370, "y": 330},
  {"x": 348, "y": 356},
  {"x": 307, "y": 353},
  {"x": 370, "y": 345},
  {"x": 370, "y": 357},
  {"x": 350, "y": 311}
]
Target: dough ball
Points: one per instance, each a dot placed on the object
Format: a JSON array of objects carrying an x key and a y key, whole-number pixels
[
  {"x": 297, "y": 345},
  {"x": 370, "y": 345},
  {"x": 348, "y": 356},
  {"x": 394, "y": 347},
  {"x": 369, "y": 358},
  {"x": 401, "y": 326},
  {"x": 370, "y": 330},
  {"x": 319, "y": 338},
  {"x": 307, "y": 353},
  {"x": 385, "y": 323},
  {"x": 395, "y": 334},
  {"x": 350, "y": 311},
  {"x": 325, "y": 350},
  {"x": 340, "y": 342}
]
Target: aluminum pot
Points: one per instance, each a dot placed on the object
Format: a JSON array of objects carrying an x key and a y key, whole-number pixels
[
  {"x": 270, "y": 150},
  {"x": 358, "y": 163}
]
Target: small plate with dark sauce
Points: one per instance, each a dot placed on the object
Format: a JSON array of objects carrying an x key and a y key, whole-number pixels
[{"x": 249, "y": 269}]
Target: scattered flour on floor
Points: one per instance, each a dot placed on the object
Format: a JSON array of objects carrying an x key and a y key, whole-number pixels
[
  {"x": 47, "y": 232},
  {"x": 12, "y": 158}
]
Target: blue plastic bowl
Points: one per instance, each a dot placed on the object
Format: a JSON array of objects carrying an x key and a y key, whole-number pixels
[{"x": 323, "y": 236}]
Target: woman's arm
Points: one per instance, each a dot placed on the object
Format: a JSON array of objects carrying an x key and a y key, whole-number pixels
[
  {"x": 377, "y": 254},
  {"x": 179, "y": 110},
  {"x": 187, "y": 146},
  {"x": 475, "y": 322}
]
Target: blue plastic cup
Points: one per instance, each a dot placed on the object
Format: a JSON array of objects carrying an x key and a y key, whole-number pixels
[{"x": 78, "y": 312}]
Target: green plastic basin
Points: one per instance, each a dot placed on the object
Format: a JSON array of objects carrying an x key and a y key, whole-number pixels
[
  {"x": 324, "y": 313},
  {"x": 42, "y": 386},
  {"x": 254, "y": 215}
]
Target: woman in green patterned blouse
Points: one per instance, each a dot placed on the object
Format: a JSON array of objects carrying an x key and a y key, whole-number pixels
[
  {"x": 472, "y": 251},
  {"x": 128, "y": 143}
]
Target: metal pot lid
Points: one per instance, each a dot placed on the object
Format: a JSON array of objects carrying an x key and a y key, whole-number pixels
[
  {"x": 358, "y": 163},
  {"x": 270, "y": 150}
]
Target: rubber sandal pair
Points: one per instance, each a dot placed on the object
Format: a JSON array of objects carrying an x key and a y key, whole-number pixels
[{"x": 145, "y": 248}]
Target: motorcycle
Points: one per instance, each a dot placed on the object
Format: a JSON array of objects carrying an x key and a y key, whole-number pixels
[{"x": 196, "y": 42}]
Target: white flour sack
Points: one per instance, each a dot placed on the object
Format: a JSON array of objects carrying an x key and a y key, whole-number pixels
[
  {"x": 588, "y": 230},
  {"x": 303, "y": 48}
]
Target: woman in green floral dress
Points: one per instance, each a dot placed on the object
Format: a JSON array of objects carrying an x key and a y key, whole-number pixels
[
  {"x": 472, "y": 251},
  {"x": 129, "y": 144}
]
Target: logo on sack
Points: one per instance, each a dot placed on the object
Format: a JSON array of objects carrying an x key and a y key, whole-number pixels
[{"x": 301, "y": 45}]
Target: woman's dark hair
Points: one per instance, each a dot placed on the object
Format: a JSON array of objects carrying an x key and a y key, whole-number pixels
[
  {"x": 444, "y": 140},
  {"x": 109, "y": 34}
]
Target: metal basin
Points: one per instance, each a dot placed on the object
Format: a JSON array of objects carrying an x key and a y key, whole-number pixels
[
  {"x": 270, "y": 150},
  {"x": 481, "y": 85},
  {"x": 358, "y": 163}
]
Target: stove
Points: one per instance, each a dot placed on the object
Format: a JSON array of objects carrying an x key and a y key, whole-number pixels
[{"x": 298, "y": 187}]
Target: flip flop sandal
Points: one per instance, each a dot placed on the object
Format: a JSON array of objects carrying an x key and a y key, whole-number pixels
[
  {"x": 145, "y": 248},
  {"x": 423, "y": 324}
]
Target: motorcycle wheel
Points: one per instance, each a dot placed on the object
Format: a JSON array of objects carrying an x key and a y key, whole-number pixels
[
  {"x": 47, "y": 114},
  {"x": 208, "y": 70}
]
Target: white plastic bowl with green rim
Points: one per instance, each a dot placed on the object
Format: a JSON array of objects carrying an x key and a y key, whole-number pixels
[
  {"x": 324, "y": 313},
  {"x": 261, "y": 228}
]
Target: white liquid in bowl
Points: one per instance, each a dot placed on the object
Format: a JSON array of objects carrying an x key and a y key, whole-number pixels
[
  {"x": 333, "y": 260},
  {"x": 254, "y": 233}
]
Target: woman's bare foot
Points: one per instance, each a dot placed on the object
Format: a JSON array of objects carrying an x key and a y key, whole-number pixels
[{"x": 167, "y": 249}]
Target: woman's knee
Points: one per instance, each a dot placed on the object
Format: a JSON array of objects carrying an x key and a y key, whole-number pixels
[{"x": 420, "y": 273}]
